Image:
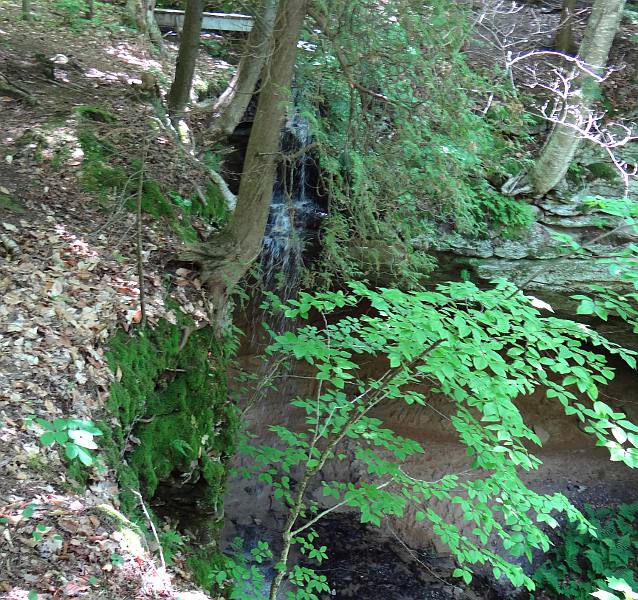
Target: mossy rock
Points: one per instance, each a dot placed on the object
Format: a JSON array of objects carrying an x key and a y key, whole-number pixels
[
  {"x": 174, "y": 401},
  {"x": 170, "y": 398},
  {"x": 603, "y": 170}
]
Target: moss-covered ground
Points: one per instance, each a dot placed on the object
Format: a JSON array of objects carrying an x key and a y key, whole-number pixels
[{"x": 172, "y": 421}]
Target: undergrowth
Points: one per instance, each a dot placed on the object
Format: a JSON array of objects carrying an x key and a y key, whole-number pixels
[
  {"x": 581, "y": 563},
  {"x": 11, "y": 204},
  {"x": 115, "y": 183},
  {"x": 173, "y": 426}
]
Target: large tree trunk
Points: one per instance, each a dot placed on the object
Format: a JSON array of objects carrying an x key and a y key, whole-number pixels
[
  {"x": 231, "y": 105},
  {"x": 140, "y": 14},
  {"x": 564, "y": 39},
  {"x": 187, "y": 57},
  {"x": 563, "y": 141},
  {"x": 229, "y": 256}
]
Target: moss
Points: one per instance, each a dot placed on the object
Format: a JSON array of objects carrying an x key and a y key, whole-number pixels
[
  {"x": 154, "y": 202},
  {"x": 205, "y": 564},
  {"x": 11, "y": 204},
  {"x": 97, "y": 175},
  {"x": 603, "y": 170},
  {"x": 102, "y": 178},
  {"x": 95, "y": 113},
  {"x": 175, "y": 403},
  {"x": 215, "y": 209},
  {"x": 94, "y": 148}
]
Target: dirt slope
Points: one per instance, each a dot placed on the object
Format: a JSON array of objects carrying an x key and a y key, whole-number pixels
[{"x": 69, "y": 279}]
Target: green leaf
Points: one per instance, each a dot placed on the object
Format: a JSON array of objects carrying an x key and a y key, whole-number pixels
[
  {"x": 220, "y": 577},
  {"x": 619, "y": 434},
  {"x": 44, "y": 424},
  {"x": 48, "y": 438},
  {"x": 117, "y": 560},
  {"x": 586, "y": 307},
  {"x": 603, "y": 595},
  {"x": 480, "y": 362},
  {"x": 83, "y": 438},
  {"x": 71, "y": 451},
  {"x": 85, "y": 457}
]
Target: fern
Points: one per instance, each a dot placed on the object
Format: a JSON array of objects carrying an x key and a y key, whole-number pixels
[{"x": 582, "y": 563}]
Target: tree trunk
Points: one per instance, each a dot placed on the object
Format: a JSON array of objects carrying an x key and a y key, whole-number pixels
[
  {"x": 187, "y": 57},
  {"x": 26, "y": 10},
  {"x": 140, "y": 14},
  {"x": 563, "y": 141},
  {"x": 564, "y": 39},
  {"x": 230, "y": 255},
  {"x": 231, "y": 105},
  {"x": 90, "y": 9}
]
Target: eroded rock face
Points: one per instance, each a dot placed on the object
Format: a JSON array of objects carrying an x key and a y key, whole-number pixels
[
  {"x": 572, "y": 465},
  {"x": 541, "y": 263}
]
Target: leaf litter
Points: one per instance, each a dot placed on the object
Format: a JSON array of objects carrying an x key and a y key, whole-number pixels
[{"x": 68, "y": 281}]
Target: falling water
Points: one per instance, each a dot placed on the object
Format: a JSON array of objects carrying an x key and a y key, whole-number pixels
[{"x": 294, "y": 215}]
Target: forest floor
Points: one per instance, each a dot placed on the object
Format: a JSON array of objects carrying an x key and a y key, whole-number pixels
[{"x": 68, "y": 280}]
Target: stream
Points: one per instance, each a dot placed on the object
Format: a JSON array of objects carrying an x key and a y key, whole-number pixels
[{"x": 363, "y": 562}]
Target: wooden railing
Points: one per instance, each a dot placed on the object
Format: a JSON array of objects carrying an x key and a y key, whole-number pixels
[{"x": 174, "y": 19}]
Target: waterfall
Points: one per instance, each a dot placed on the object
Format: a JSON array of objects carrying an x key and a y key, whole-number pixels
[{"x": 294, "y": 215}]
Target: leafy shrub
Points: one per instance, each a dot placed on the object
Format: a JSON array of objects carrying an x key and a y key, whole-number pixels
[
  {"x": 482, "y": 349},
  {"x": 74, "y": 436}
]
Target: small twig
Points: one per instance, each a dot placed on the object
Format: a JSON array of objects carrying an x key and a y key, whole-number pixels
[
  {"x": 150, "y": 522},
  {"x": 15, "y": 91},
  {"x": 186, "y": 333},
  {"x": 327, "y": 511},
  {"x": 293, "y": 156},
  {"x": 140, "y": 266},
  {"x": 415, "y": 556}
]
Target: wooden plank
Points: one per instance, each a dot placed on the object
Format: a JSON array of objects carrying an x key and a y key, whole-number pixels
[{"x": 174, "y": 19}]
